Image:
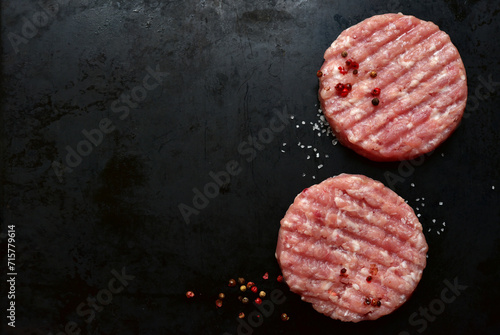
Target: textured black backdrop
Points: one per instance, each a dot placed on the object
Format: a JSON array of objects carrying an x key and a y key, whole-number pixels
[{"x": 116, "y": 114}]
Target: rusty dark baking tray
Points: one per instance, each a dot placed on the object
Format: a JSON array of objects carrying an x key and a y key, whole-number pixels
[{"x": 150, "y": 148}]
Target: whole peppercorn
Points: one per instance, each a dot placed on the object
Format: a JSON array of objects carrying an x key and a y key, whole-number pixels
[
  {"x": 254, "y": 289},
  {"x": 343, "y": 271},
  {"x": 218, "y": 303},
  {"x": 241, "y": 280},
  {"x": 241, "y": 315},
  {"x": 262, "y": 294},
  {"x": 348, "y": 86},
  {"x": 376, "y": 91},
  {"x": 244, "y": 300},
  {"x": 339, "y": 87},
  {"x": 319, "y": 74},
  {"x": 369, "y": 279},
  {"x": 344, "y": 92},
  {"x": 190, "y": 294},
  {"x": 344, "y": 53},
  {"x": 243, "y": 288},
  {"x": 279, "y": 279},
  {"x": 250, "y": 284},
  {"x": 375, "y": 101},
  {"x": 285, "y": 317},
  {"x": 355, "y": 71},
  {"x": 232, "y": 283},
  {"x": 258, "y": 301},
  {"x": 373, "y": 74},
  {"x": 222, "y": 295}
]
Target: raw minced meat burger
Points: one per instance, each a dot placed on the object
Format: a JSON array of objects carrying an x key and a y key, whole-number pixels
[
  {"x": 352, "y": 248},
  {"x": 422, "y": 82}
]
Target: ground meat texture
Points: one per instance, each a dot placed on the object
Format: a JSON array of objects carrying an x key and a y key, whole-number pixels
[
  {"x": 352, "y": 248},
  {"x": 422, "y": 80}
]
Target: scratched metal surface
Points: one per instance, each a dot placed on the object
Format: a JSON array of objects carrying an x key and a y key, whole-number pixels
[{"x": 151, "y": 148}]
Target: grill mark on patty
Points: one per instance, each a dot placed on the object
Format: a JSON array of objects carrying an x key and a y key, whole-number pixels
[
  {"x": 401, "y": 79},
  {"x": 363, "y": 253},
  {"x": 425, "y": 101},
  {"x": 386, "y": 70}
]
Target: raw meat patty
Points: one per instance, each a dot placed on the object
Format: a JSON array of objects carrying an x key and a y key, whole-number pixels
[
  {"x": 422, "y": 81},
  {"x": 351, "y": 247}
]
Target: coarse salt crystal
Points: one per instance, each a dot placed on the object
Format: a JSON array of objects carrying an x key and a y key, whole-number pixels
[{"x": 320, "y": 166}]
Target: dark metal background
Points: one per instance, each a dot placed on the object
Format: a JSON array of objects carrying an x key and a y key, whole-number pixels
[{"x": 228, "y": 68}]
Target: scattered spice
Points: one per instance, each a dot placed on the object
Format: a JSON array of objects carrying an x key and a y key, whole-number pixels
[
  {"x": 244, "y": 300},
  {"x": 243, "y": 288},
  {"x": 379, "y": 303},
  {"x": 319, "y": 74},
  {"x": 369, "y": 279},
  {"x": 348, "y": 86},
  {"x": 339, "y": 87},
  {"x": 375, "y": 101},
  {"x": 376, "y": 91},
  {"x": 355, "y": 65},
  {"x": 344, "y": 92},
  {"x": 241, "y": 315},
  {"x": 232, "y": 283},
  {"x": 218, "y": 303},
  {"x": 279, "y": 279},
  {"x": 373, "y": 74},
  {"x": 285, "y": 317},
  {"x": 240, "y": 298},
  {"x": 368, "y": 301},
  {"x": 342, "y": 70},
  {"x": 190, "y": 294},
  {"x": 250, "y": 284},
  {"x": 254, "y": 289},
  {"x": 355, "y": 71},
  {"x": 265, "y": 276},
  {"x": 241, "y": 280},
  {"x": 258, "y": 301},
  {"x": 348, "y": 62},
  {"x": 343, "y": 271},
  {"x": 373, "y": 269},
  {"x": 222, "y": 295},
  {"x": 344, "y": 53},
  {"x": 376, "y": 303},
  {"x": 262, "y": 294}
]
